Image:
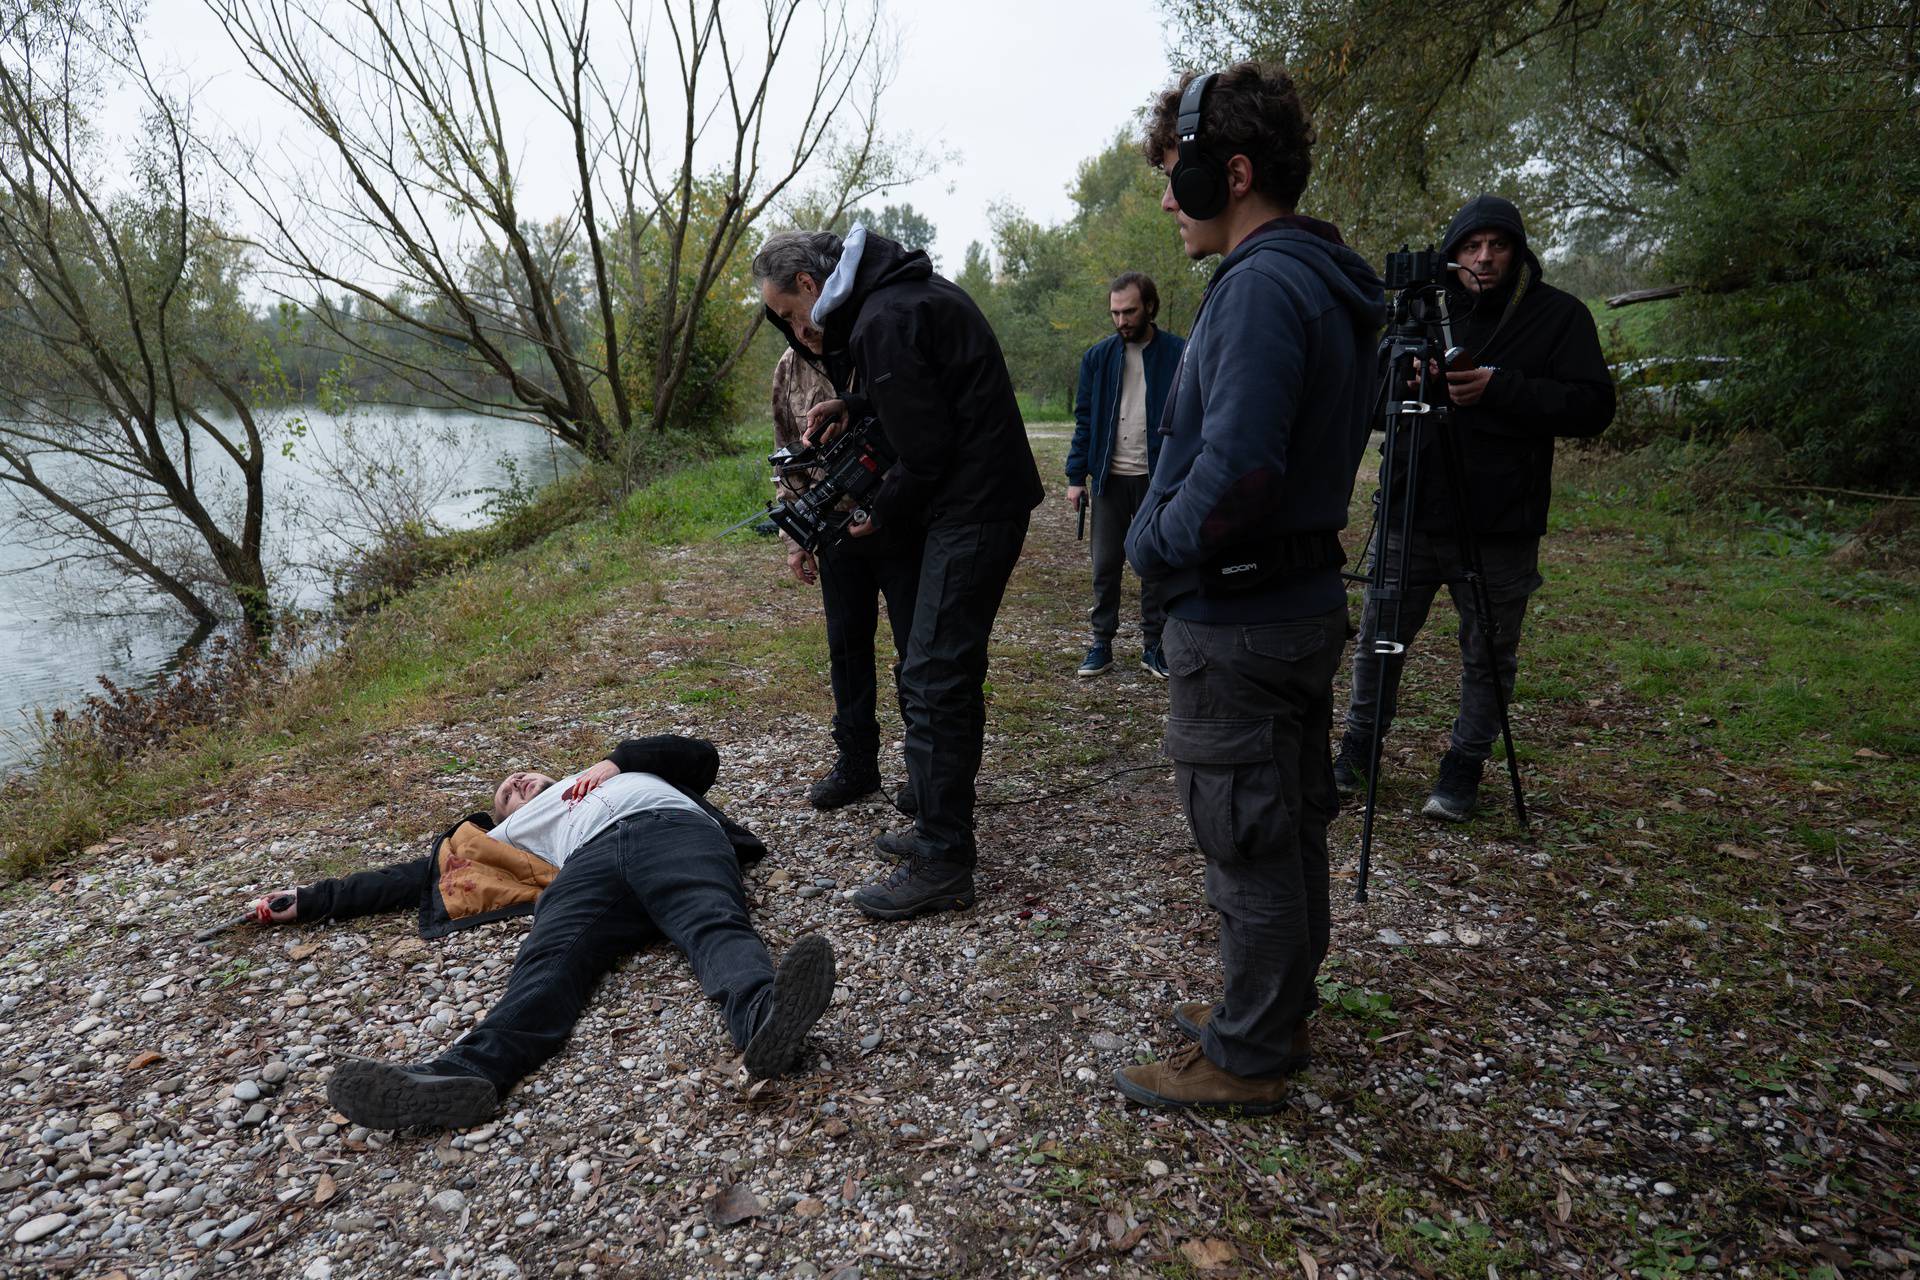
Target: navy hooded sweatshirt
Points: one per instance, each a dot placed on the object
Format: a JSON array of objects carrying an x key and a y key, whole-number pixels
[{"x": 1265, "y": 426}]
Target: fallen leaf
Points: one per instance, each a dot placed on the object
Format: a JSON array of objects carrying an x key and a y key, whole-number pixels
[
  {"x": 325, "y": 1189},
  {"x": 1308, "y": 1263},
  {"x": 810, "y": 1208},
  {"x": 849, "y": 1190},
  {"x": 1563, "y": 1205},
  {"x": 1735, "y": 851},
  {"x": 145, "y": 1058},
  {"x": 1126, "y": 1242},
  {"x": 1868, "y": 753},
  {"x": 734, "y": 1205},
  {"x": 302, "y": 951},
  {"x": 1886, "y": 1078},
  {"x": 1206, "y": 1255},
  {"x": 834, "y": 1127}
]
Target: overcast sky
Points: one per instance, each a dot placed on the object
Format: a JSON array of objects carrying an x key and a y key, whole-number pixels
[{"x": 1020, "y": 91}]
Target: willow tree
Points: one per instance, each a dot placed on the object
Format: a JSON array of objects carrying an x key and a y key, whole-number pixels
[
  {"x": 125, "y": 429},
  {"x": 678, "y": 126}
]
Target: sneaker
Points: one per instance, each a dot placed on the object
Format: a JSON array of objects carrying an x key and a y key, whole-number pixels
[
  {"x": 1154, "y": 663},
  {"x": 1099, "y": 658},
  {"x": 896, "y": 846},
  {"x": 916, "y": 887},
  {"x": 1189, "y": 1079},
  {"x": 1456, "y": 793},
  {"x": 1350, "y": 765},
  {"x": 381, "y": 1095},
  {"x": 844, "y": 783},
  {"x": 802, "y": 989}
]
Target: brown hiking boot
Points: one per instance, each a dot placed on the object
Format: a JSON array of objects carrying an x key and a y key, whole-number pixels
[{"x": 1189, "y": 1079}]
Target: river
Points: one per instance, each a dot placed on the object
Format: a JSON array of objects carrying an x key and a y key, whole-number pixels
[{"x": 52, "y": 651}]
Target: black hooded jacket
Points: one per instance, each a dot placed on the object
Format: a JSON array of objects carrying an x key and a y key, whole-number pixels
[
  {"x": 931, "y": 371},
  {"x": 1551, "y": 380}
]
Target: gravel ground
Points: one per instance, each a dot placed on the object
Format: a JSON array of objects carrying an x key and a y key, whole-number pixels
[{"x": 1508, "y": 1081}]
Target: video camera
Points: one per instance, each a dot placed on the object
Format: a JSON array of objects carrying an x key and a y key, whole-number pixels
[
  {"x": 1425, "y": 268},
  {"x": 848, "y": 467}
]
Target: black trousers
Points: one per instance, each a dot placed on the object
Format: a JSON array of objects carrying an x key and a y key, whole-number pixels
[
  {"x": 665, "y": 873},
  {"x": 852, "y": 583},
  {"x": 1249, "y": 712},
  {"x": 1114, "y": 507},
  {"x": 963, "y": 576}
]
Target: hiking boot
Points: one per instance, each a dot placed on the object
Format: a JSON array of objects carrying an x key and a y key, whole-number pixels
[
  {"x": 1456, "y": 793},
  {"x": 1154, "y": 662},
  {"x": 1189, "y": 1079},
  {"x": 1350, "y": 765},
  {"x": 381, "y": 1095},
  {"x": 846, "y": 782},
  {"x": 1192, "y": 1015},
  {"x": 1099, "y": 658},
  {"x": 916, "y": 887},
  {"x": 802, "y": 989},
  {"x": 896, "y": 846}
]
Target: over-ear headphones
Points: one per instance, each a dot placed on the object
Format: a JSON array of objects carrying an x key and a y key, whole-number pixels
[{"x": 1199, "y": 181}]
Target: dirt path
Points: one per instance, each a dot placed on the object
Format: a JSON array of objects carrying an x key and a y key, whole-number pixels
[{"x": 1536, "y": 1057}]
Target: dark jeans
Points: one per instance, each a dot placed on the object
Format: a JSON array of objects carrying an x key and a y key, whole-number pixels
[
  {"x": 963, "y": 575},
  {"x": 851, "y": 584},
  {"x": 1249, "y": 712},
  {"x": 665, "y": 873},
  {"x": 1113, "y": 510},
  {"x": 1512, "y": 567}
]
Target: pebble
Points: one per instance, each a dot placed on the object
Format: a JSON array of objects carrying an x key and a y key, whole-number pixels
[
  {"x": 239, "y": 1226},
  {"x": 905, "y": 997},
  {"x": 979, "y": 1142},
  {"x": 247, "y": 1091},
  {"x": 448, "y": 1202},
  {"x": 1391, "y": 938},
  {"x": 870, "y": 1040},
  {"x": 1108, "y": 1041},
  {"x": 579, "y": 1171},
  {"x": 810, "y": 891},
  {"x": 321, "y": 1268},
  {"x": 256, "y": 1114},
  {"x": 39, "y": 1228},
  {"x": 1157, "y": 1169},
  {"x": 1666, "y": 1189},
  {"x": 274, "y": 1072},
  {"x": 1439, "y": 937}
]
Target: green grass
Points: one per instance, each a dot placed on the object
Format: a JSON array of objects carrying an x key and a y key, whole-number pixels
[{"x": 1635, "y": 332}]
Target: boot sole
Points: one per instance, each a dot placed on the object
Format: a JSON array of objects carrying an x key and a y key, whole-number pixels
[
  {"x": 1154, "y": 671},
  {"x": 1434, "y": 808},
  {"x": 926, "y": 906},
  {"x": 1148, "y": 1098},
  {"x": 1088, "y": 673},
  {"x": 380, "y": 1095},
  {"x": 802, "y": 990}
]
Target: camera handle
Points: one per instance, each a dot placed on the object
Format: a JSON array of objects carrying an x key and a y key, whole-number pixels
[{"x": 1413, "y": 343}]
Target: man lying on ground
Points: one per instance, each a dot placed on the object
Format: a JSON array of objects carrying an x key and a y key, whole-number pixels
[{"x": 619, "y": 856}]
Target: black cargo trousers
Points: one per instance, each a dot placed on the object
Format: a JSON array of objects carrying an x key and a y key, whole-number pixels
[
  {"x": 963, "y": 577},
  {"x": 1250, "y": 711}
]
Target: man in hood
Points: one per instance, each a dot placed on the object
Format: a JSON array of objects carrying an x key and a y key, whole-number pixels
[
  {"x": 1261, "y": 438},
  {"x": 1534, "y": 371},
  {"x": 931, "y": 371}
]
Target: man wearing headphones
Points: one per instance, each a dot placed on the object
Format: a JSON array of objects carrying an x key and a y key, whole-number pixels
[{"x": 1263, "y": 433}]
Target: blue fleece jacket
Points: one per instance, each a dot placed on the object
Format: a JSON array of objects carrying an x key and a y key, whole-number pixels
[
  {"x": 1096, "y": 403},
  {"x": 1266, "y": 423}
]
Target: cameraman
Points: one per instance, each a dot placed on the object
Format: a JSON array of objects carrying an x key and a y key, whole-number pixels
[
  {"x": 1263, "y": 433},
  {"x": 1537, "y": 373},
  {"x": 1123, "y": 388},
  {"x": 932, "y": 373},
  {"x": 853, "y": 577}
]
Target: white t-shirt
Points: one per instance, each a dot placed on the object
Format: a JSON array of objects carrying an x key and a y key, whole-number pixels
[
  {"x": 550, "y": 828},
  {"x": 1130, "y": 423}
]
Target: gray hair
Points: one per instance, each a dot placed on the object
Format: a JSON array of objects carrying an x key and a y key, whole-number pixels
[{"x": 787, "y": 253}]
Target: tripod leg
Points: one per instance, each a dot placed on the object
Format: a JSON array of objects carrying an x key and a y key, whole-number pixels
[{"x": 1468, "y": 549}]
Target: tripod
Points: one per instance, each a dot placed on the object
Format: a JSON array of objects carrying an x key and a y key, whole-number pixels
[{"x": 1419, "y": 346}]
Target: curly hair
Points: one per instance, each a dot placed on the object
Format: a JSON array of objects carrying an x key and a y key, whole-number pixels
[{"x": 1253, "y": 110}]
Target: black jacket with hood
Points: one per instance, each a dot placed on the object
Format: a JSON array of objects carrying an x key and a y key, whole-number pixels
[
  {"x": 932, "y": 372},
  {"x": 1550, "y": 380}
]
